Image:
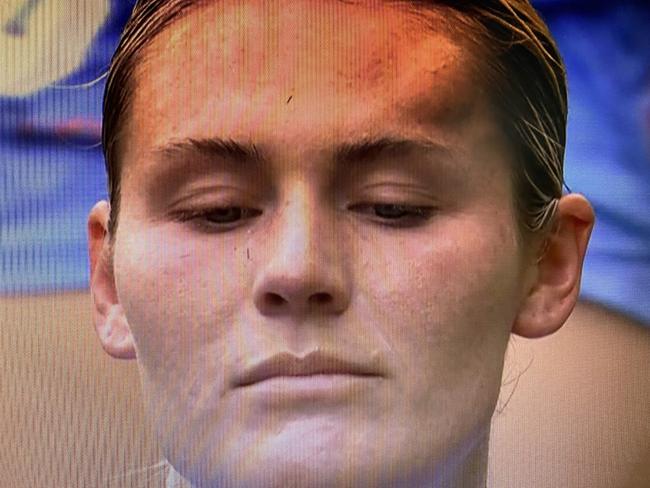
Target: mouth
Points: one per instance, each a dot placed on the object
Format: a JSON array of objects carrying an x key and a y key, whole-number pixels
[
  {"x": 317, "y": 367},
  {"x": 316, "y": 381}
]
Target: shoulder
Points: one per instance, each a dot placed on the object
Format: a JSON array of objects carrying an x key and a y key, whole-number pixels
[{"x": 575, "y": 406}]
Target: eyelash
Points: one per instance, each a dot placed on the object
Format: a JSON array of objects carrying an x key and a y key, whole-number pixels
[
  {"x": 199, "y": 217},
  {"x": 409, "y": 215}
]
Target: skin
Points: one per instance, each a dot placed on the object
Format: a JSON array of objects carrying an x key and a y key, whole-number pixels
[{"x": 431, "y": 302}]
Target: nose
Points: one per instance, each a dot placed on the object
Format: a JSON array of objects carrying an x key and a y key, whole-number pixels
[{"x": 302, "y": 271}]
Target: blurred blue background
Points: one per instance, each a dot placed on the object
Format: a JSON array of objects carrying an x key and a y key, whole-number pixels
[{"x": 52, "y": 169}]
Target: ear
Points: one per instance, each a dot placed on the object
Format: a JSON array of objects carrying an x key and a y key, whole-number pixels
[
  {"x": 556, "y": 276},
  {"x": 110, "y": 322}
]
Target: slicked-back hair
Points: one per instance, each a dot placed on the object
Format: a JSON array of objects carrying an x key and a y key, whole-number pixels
[{"x": 523, "y": 74}]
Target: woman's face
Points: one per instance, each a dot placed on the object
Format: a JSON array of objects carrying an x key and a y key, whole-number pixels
[{"x": 299, "y": 179}]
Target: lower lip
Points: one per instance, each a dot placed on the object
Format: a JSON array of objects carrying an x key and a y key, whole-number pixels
[{"x": 316, "y": 389}]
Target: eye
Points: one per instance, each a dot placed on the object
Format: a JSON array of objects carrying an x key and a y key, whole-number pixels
[
  {"x": 226, "y": 215},
  {"x": 395, "y": 214},
  {"x": 217, "y": 218}
]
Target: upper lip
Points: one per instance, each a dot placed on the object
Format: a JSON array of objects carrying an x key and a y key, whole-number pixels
[{"x": 315, "y": 362}]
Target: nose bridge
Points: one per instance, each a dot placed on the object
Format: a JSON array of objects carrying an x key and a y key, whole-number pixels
[
  {"x": 299, "y": 232},
  {"x": 302, "y": 269}
]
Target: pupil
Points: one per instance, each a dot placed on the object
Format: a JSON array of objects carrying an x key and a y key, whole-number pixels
[
  {"x": 227, "y": 214},
  {"x": 390, "y": 211}
]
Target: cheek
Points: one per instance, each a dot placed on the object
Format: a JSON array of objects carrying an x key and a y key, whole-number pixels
[
  {"x": 448, "y": 300},
  {"x": 173, "y": 301},
  {"x": 451, "y": 274}
]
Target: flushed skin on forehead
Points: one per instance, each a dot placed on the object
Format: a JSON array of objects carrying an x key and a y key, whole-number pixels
[
  {"x": 431, "y": 302},
  {"x": 366, "y": 58}
]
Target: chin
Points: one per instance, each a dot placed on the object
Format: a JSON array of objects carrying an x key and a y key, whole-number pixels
[
  {"x": 273, "y": 476},
  {"x": 300, "y": 465}
]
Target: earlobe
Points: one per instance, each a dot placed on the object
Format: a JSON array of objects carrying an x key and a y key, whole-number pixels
[
  {"x": 110, "y": 321},
  {"x": 556, "y": 286}
]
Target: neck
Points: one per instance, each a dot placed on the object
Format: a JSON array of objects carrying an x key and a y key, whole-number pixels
[
  {"x": 469, "y": 468},
  {"x": 466, "y": 467}
]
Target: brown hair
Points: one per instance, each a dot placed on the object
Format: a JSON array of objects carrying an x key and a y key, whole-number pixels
[{"x": 523, "y": 70}]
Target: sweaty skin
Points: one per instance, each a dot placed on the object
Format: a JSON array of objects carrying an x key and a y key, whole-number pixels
[{"x": 312, "y": 263}]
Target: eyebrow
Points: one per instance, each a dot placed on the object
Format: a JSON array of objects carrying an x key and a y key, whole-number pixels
[
  {"x": 364, "y": 150},
  {"x": 370, "y": 149},
  {"x": 228, "y": 149}
]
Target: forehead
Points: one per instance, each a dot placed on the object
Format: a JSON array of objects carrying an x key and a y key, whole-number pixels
[{"x": 291, "y": 68}]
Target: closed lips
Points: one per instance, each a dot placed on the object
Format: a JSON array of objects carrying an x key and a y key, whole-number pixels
[{"x": 315, "y": 363}]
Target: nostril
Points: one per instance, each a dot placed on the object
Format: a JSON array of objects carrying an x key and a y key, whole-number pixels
[{"x": 274, "y": 299}]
